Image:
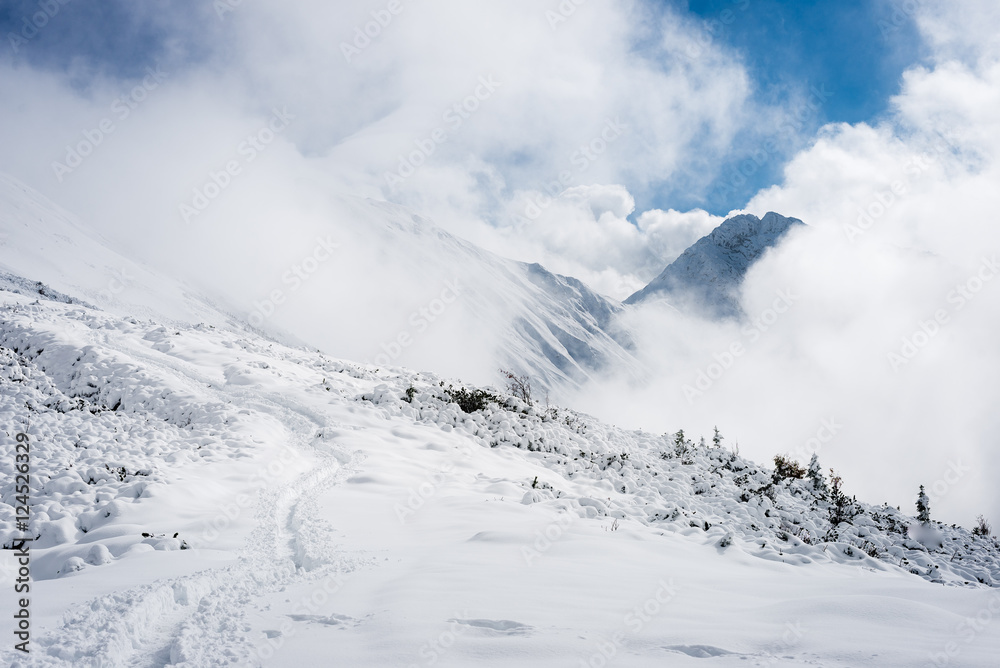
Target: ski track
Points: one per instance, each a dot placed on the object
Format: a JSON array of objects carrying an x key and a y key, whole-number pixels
[{"x": 197, "y": 620}]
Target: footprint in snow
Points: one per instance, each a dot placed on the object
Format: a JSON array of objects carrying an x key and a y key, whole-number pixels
[
  {"x": 333, "y": 619},
  {"x": 699, "y": 651},
  {"x": 496, "y": 626}
]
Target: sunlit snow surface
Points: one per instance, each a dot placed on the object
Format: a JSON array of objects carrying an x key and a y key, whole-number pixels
[{"x": 323, "y": 519}]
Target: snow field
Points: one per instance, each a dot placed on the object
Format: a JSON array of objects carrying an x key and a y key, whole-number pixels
[{"x": 332, "y": 515}]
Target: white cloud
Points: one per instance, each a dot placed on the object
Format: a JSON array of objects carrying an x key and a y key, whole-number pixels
[
  {"x": 506, "y": 104},
  {"x": 586, "y": 233},
  {"x": 895, "y": 294},
  {"x": 670, "y": 233}
]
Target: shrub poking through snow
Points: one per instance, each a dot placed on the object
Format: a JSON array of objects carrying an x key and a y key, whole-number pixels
[
  {"x": 472, "y": 401},
  {"x": 518, "y": 386},
  {"x": 982, "y": 527},
  {"x": 785, "y": 468}
]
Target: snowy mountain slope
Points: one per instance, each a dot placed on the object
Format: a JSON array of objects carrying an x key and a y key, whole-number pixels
[
  {"x": 521, "y": 316},
  {"x": 708, "y": 274},
  {"x": 328, "y": 513},
  {"x": 40, "y": 241},
  {"x": 511, "y": 314}
]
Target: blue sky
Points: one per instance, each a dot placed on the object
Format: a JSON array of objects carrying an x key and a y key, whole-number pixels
[
  {"x": 855, "y": 49},
  {"x": 112, "y": 38}
]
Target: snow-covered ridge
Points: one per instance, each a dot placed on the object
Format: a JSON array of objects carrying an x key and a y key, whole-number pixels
[
  {"x": 708, "y": 274},
  {"x": 114, "y": 423},
  {"x": 596, "y": 471}
]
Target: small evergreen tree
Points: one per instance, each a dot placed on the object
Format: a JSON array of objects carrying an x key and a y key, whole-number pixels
[
  {"x": 842, "y": 507},
  {"x": 923, "y": 507},
  {"x": 717, "y": 438},
  {"x": 682, "y": 444},
  {"x": 982, "y": 527},
  {"x": 815, "y": 474}
]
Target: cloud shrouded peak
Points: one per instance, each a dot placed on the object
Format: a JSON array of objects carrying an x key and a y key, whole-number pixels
[{"x": 707, "y": 276}]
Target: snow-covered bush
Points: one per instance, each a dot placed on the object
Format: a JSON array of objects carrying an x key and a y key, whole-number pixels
[
  {"x": 785, "y": 469},
  {"x": 923, "y": 506}
]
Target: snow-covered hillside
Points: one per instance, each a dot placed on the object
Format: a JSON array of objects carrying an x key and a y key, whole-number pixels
[
  {"x": 707, "y": 275},
  {"x": 552, "y": 327},
  {"x": 201, "y": 496},
  {"x": 40, "y": 241}
]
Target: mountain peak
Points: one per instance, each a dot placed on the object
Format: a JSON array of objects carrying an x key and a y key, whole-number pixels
[{"x": 708, "y": 273}]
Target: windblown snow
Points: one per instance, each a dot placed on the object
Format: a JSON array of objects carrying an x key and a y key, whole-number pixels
[{"x": 202, "y": 496}]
